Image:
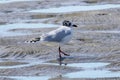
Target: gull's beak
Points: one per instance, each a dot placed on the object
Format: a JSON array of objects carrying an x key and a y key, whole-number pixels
[{"x": 74, "y": 25}]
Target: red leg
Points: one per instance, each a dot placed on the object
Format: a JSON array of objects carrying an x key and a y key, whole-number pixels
[
  {"x": 60, "y": 57},
  {"x": 60, "y": 51}
]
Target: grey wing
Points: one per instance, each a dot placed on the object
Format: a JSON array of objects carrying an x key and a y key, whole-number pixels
[{"x": 58, "y": 36}]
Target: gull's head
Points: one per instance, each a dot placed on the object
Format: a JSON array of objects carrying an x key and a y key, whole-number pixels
[{"x": 68, "y": 24}]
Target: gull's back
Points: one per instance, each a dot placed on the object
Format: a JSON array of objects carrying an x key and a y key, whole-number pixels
[{"x": 62, "y": 34}]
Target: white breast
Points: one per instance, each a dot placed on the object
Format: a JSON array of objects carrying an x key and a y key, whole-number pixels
[{"x": 67, "y": 39}]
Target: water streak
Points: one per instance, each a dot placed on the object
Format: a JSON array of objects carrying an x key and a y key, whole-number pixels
[
  {"x": 4, "y": 29},
  {"x": 65, "y": 9},
  {"x": 92, "y": 70}
]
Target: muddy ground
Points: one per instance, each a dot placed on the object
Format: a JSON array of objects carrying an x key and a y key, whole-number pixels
[{"x": 89, "y": 43}]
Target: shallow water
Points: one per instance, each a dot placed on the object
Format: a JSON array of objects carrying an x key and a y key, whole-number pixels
[
  {"x": 4, "y": 29},
  {"x": 88, "y": 65},
  {"x": 93, "y": 74},
  {"x": 9, "y": 1},
  {"x": 92, "y": 70},
  {"x": 76, "y": 8},
  {"x": 28, "y": 62},
  {"x": 29, "y": 77},
  {"x": 31, "y": 62},
  {"x": 101, "y": 31}
]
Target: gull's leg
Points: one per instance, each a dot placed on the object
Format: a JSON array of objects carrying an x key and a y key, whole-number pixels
[
  {"x": 60, "y": 51},
  {"x": 60, "y": 57}
]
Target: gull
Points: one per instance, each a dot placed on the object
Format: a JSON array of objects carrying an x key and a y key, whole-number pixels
[{"x": 61, "y": 35}]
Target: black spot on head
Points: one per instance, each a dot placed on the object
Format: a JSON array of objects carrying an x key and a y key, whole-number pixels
[{"x": 67, "y": 23}]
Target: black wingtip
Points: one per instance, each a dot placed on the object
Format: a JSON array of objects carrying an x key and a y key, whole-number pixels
[{"x": 33, "y": 40}]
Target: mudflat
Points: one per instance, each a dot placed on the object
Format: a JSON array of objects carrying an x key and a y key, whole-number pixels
[{"x": 96, "y": 40}]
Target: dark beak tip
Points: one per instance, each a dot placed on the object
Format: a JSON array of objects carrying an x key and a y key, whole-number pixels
[{"x": 75, "y": 26}]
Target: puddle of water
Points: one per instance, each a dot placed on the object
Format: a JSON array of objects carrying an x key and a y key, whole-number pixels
[
  {"x": 76, "y": 8},
  {"x": 4, "y": 28},
  {"x": 93, "y": 74},
  {"x": 91, "y": 70},
  {"x": 9, "y": 1},
  {"x": 27, "y": 65},
  {"x": 87, "y": 65},
  {"x": 100, "y": 31},
  {"x": 30, "y": 63},
  {"x": 28, "y": 77}
]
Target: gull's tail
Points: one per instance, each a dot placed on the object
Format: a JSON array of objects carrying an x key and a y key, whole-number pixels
[{"x": 33, "y": 40}]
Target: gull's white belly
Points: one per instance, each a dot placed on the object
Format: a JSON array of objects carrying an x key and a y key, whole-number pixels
[{"x": 66, "y": 39}]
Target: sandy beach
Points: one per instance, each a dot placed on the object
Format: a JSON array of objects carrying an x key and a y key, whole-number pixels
[{"x": 95, "y": 41}]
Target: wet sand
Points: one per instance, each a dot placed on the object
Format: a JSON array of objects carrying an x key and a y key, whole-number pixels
[{"x": 92, "y": 41}]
